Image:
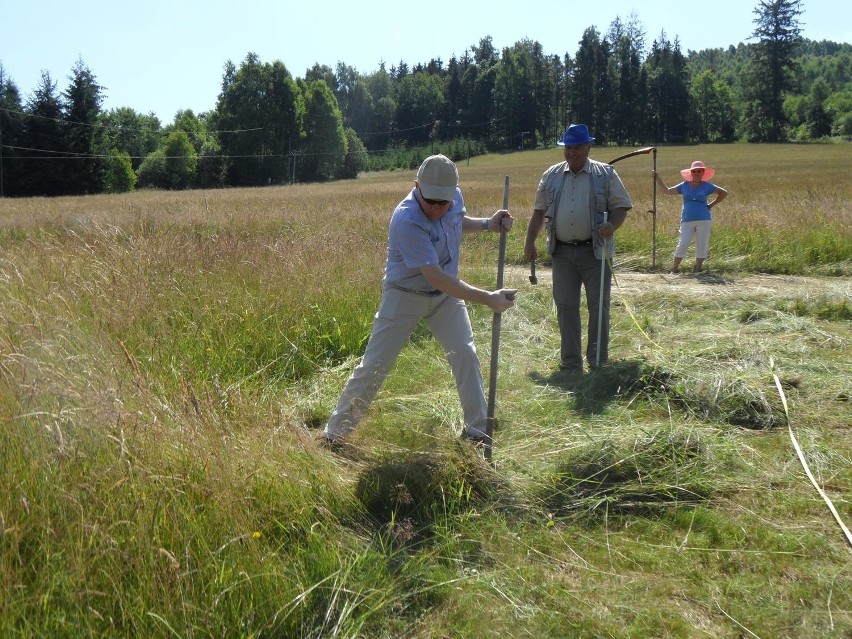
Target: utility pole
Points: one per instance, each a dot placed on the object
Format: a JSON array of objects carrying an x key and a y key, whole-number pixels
[
  {"x": 1, "y": 156},
  {"x": 293, "y": 155}
]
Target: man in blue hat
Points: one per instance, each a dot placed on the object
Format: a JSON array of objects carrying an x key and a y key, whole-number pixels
[{"x": 581, "y": 203}]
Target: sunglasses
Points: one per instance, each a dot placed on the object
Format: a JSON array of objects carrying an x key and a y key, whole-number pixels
[
  {"x": 436, "y": 202},
  {"x": 697, "y": 171}
]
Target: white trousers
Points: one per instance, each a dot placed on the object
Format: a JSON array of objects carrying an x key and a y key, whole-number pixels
[
  {"x": 700, "y": 229},
  {"x": 397, "y": 317}
]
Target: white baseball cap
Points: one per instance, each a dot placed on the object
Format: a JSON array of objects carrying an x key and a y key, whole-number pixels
[{"x": 438, "y": 178}]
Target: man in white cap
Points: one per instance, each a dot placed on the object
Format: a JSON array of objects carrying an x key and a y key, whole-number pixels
[
  {"x": 421, "y": 283},
  {"x": 581, "y": 202}
]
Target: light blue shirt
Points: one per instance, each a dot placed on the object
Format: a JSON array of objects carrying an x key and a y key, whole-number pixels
[
  {"x": 415, "y": 241},
  {"x": 695, "y": 201}
]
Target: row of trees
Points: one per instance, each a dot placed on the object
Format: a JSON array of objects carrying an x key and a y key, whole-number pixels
[
  {"x": 65, "y": 144},
  {"x": 269, "y": 127}
]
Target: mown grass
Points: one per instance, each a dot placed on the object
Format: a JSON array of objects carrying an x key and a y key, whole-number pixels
[{"x": 167, "y": 358}]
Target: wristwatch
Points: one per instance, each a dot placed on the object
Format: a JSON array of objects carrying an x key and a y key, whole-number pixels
[{"x": 485, "y": 224}]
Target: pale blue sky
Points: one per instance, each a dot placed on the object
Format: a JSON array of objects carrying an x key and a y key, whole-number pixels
[{"x": 162, "y": 56}]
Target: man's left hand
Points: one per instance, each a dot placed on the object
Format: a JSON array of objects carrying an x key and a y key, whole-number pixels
[{"x": 502, "y": 216}]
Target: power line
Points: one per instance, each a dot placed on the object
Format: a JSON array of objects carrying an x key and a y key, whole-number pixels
[
  {"x": 82, "y": 156},
  {"x": 114, "y": 126},
  {"x": 361, "y": 134}
]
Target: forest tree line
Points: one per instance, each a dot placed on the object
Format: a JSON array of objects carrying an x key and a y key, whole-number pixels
[{"x": 269, "y": 127}]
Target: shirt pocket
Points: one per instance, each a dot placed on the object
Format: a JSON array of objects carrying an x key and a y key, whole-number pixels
[
  {"x": 549, "y": 199},
  {"x": 601, "y": 204}
]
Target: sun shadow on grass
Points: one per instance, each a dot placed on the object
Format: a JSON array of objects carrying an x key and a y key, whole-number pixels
[
  {"x": 591, "y": 393},
  {"x": 741, "y": 405},
  {"x": 710, "y": 277}
]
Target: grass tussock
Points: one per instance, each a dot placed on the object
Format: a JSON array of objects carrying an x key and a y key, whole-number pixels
[
  {"x": 406, "y": 494},
  {"x": 630, "y": 479},
  {"x": 166, "y": 359}
]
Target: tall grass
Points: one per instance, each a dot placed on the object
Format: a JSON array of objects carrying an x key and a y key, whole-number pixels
[{"x": 166, "y": 359}]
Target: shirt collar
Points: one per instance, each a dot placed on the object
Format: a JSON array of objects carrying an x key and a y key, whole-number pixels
[{"x": 586, "y": 167}]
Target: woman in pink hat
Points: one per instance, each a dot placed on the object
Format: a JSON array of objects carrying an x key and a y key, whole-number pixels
[{"x": 695, "y": 218}]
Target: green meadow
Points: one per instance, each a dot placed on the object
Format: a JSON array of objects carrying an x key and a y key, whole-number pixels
[{"x": 168, "y": 359}]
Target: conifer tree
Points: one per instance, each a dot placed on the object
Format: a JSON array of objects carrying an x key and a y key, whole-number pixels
[
  {"x": 771, "y": 69},
  {"x": 81, "y": 107}
]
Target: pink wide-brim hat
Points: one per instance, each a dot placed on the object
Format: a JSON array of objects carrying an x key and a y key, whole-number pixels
[{"x": 698, "y": 164}]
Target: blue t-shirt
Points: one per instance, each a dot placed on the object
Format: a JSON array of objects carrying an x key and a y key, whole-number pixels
[
  {"x": 415, "y": 241},
  {"x": 695, "y": 201}
]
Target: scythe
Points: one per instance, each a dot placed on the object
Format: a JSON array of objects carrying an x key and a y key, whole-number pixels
[{"x": 653, "y": 211}]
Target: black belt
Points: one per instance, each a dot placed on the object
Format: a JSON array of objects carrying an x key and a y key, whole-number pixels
[
  {"x": 434, "y": 293},
  {"x": 575, "y": 242}
]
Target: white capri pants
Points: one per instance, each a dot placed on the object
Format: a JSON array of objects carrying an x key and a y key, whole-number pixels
[{"x": 699, "y": 229}]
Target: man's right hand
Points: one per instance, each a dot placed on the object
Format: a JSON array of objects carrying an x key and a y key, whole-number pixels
[{"x": 536, "y": 223}]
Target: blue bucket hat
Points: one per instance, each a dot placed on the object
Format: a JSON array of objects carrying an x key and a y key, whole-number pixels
[{"x": 575, "y": 134}]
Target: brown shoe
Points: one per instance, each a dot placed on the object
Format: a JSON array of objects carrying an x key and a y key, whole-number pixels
[
  {"x": 340, "y": 447},
  {"x": 479, "y": 440}
]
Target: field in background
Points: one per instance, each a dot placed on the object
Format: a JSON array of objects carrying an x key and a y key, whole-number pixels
[{"x": 167, "y": 358}]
